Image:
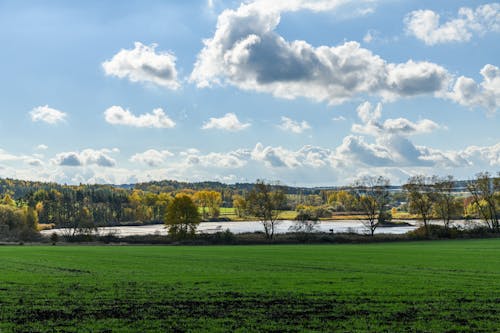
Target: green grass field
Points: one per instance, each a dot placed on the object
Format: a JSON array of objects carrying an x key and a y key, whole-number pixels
[{"x": 440, "y": 286}]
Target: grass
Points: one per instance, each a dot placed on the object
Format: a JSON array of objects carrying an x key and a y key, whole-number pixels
[
  {"x": 440, "y": 286},
  {"x": 230, "y": 213}
]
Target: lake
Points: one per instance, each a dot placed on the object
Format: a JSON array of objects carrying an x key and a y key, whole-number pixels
[{"x": 252, "y": 226}]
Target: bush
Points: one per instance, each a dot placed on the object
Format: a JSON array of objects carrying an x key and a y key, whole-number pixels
[{"x": 54, "y": 238}]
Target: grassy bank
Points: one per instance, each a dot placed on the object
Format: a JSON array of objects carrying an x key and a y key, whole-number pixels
[{"x": 413, "y": 286}]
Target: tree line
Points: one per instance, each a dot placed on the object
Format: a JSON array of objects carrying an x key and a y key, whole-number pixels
[{"x": 24, "y": 205}]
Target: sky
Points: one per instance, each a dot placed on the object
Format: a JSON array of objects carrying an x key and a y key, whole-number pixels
[{"x": 304, "y": 92}]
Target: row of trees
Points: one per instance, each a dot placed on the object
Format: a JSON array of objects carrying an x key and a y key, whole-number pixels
[
  {"x": 434, "y": 197},
  {"x": 431, "y": 198},
  {"x": 86, "y": 206}
]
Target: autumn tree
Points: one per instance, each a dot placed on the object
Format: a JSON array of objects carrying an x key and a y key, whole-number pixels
[
  {"x": 484, "y": 194},
  {"x": 420, "y": 194},
  {"x": 446, "y": 206},
  {"x": 265, "y": 203},
  {"x": 214, "y": 200},
  {"x": 84, "y": 223},
  {"x": 373, "y": 195},
  {"x": 17, "y": 222},
  {"x": 209, "y": 201},
  {"x": 343, "y": 200},
  {"x": 182, "y": 217},
  {"x": 239, "y": 205}
]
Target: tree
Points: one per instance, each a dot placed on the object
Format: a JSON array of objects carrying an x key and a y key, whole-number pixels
[
  {"x": 210, "y": 200},
  {"x": 373, "y": 196},
  {"x": 445, "y": 205},
  {"x": 239, "y": 205},
  {"x": 420, "y": 194},
  {"x": 265, "y": 204},
  {"x": 84, "y": 224},
  {"x": 343, "y": 200},
  {"x": 214, "y": 199},
  {"x": 484, "y": 195},
  {"x": 182, "y": 217},
  {"x": 307, "y": 219}
]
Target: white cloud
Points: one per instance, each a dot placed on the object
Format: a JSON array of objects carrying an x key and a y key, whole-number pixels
[
  {"x": 479, "y": 155},
  {"x": 415, "y": 78},
  {"x": 279, "y": 157},
  {"x": 293, "y": 126},
  {"x": 355, "y": 151},
  {"x": 116, "y": 115},
  {"x": 275, "y": 157},
  {"x": 425, "y": 25},
  {"x": 144, "y": 64},
  {"x": 230, "y": 160},
  {"x": 84, "y": 158},
  {"x": 6, "y": 156},
  {"x": 42, "y": 147},
  {"x": 372, "y": 125},
  {"x": 151, "y": 157},
  {"x": 47, "y": 115},
  {"x": 485, "y": 94},
  {"x": 228, "y": 122},
  {"x": 247, "y": 52},
  {"x": 393, "y": 156},
  {"x": 35, "y": 162}
]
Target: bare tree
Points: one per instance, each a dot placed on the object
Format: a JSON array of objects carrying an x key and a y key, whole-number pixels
[
  {"x": 446, "y": 206},
  {"x": 420, "y": 193},
  {"x": 373, "y": 196},
  {"x": 265, "y": 203},
  {"x": 484, "y": 191}
]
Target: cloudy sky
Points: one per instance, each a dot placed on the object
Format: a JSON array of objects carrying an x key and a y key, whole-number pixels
[{"x": 307, "y": 92}]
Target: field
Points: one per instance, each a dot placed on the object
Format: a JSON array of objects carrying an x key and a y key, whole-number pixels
[
  {"x": 230, "y": 213},
  {"x": 440, "y": 286}
]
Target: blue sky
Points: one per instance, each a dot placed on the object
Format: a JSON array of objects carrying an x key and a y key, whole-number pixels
[{"x": 309, "y": 93}]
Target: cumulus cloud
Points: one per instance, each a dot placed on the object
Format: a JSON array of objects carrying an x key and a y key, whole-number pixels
[
  {"x": 85, "y": 158},
  {"x": 274, "y": 156},
  {"x": 228, "y": 122},
  {"x": 293, "y": 126},
  {"x": 151, "y": 157},
  {"x": 372, "y": 125},
  {"x": 117, "y": 115},
  {"x": 34, "y": 162},
  {"x": 247, "y": 52},
  {"x": 393, "y": 156},
  {"x": 485, "y": 94},
  {"x": 230, "y": 160},
  {"x": 391, "y": 146},
  {"x": 354, "y": 150},
  {"x": 144, "y": 64},
  {"x": 47, "y": 115},
  {"x": 479, "y": 155},
  {"x": 279, "y": 157},
  {"x": 425, "y": 24}
]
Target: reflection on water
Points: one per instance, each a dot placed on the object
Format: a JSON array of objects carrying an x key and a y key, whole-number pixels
[{"x": 252, "y": 226}]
